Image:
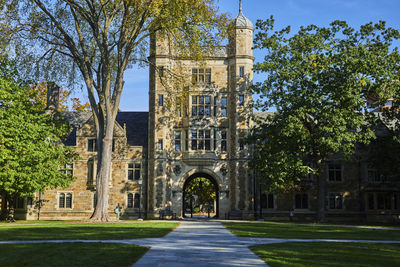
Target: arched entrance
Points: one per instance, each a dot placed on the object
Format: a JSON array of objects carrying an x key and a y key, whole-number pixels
[{"x": 188, "y": 182}]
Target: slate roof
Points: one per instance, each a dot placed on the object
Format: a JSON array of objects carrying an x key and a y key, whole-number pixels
[{"x": 136, "y": 126}]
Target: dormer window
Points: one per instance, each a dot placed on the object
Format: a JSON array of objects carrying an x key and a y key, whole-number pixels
[{"x": 201, "y": 76}]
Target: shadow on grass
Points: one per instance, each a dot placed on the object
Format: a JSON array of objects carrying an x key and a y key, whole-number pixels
[
  {"x": 283, "y": 230},
  {"x": 329, "y": 254},
  {"x": 70, "y": 254},
  {"x": 85, "y": 231}
]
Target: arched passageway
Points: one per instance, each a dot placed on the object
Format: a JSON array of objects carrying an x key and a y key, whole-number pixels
[{"x": 200, "y": 194}]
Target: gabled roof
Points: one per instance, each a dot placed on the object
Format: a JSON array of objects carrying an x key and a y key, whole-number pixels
[{"x": 136, "y": 126}]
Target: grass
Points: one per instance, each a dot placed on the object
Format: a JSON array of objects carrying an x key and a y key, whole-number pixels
[
  {"x": 70, "y": 254},
  {"x": 85, "y": 231},
  {"x": 312, "y": 231},
  {"x": 329, "y": 254}
]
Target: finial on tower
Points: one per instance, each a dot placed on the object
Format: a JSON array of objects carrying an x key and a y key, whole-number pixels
[{"x": 241, "y": 20}]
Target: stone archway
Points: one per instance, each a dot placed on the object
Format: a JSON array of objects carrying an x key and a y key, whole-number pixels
[{"x": 208, "y": 177}]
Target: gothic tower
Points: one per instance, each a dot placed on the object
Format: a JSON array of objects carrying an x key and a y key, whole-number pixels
[{"x": 197, "y": 132}]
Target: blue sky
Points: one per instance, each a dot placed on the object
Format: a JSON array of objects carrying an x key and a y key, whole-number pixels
[{"x": 295, "y": 13}]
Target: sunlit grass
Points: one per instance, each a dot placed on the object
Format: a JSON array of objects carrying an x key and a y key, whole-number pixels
[
  {"x": 70, "y": 254},
  {"x": 85, "y": 231},
  {"x": 329, "y": 254},
  {"x": 292, "y": 230}
]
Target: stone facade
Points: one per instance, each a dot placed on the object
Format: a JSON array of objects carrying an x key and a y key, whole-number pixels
[{"x": 193, "y": 132}]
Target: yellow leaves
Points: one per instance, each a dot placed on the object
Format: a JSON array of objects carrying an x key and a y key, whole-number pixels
[{"x": 317, "y": 62}]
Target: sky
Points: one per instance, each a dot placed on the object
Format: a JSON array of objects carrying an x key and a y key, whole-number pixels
[{"x": 295, "y": 13}]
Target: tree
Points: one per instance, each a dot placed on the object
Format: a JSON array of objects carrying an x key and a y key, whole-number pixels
[
  {"x": 102, "y": 39},
  {"x": 203, "y": 189},
  {"x": 319, "y": 80},
  {"x": 31, "y": 152},
  {"x": 38, "y": 93}
]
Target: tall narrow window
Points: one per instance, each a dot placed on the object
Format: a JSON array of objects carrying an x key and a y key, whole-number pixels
[
  {"x": 92, "y": 146},
  {"x": 334, "y": 172},
  {"x": 61, "y": 200},
  {"x": 215, "y": 105},
  {"x": 178, "y": 140},
  {"x": 137, "y": 171},
  {"x": 241, "y": 100},
  {"x": 68, "y": 201},
  {"x": 187, "y": 140},
  {"x": 241, "y": 71},
  {"x": 137, "y": 201},
  {"x": 223, "y": 141},
  {"x": 160, "y": 144},
  {"x": 215, "y": 140},
  {"x": 161, "y": 100},
  {"x": 130, "y": 200},
  {"x": 223, "y": 106}
]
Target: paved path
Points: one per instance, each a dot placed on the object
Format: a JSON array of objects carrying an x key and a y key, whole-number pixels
[{"x": 198, "y": 244}]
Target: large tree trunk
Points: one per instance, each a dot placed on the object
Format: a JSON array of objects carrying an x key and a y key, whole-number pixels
[
  {"x": 321, "y": 193},
  {"x": 104, "y": 141}
]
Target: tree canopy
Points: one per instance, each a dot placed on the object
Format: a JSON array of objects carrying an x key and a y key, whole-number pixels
[
  {"x": 101, "y": 39},
  {"x": 31, "y": 152},
  {"x": 319, "y": 80}
]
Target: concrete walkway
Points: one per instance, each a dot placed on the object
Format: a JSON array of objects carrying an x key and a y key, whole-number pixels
[{"x": 198, "y": 244}]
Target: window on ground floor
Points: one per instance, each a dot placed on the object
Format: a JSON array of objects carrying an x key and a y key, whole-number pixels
[
  {"x": 301, "y": 201},
  {"x": 267, "y": 201},
  {"x": 65, "y": 200},
  {"x": 335, "y": 200}
]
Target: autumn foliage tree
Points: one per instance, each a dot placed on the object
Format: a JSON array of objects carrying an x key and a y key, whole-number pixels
[
  {"x": 38, "y": 94},
  {"x": 101, "y": 39}
]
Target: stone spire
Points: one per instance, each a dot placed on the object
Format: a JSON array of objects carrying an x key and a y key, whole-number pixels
[{"x": 241, "y": 21}]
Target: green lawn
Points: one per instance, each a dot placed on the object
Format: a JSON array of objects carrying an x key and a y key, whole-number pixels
[
  {"x": 292, "y": 230},
  {"x": 329, "y": 254},
  {"x": 70, "y": 254},
  {"x": 92, "y": 231}
]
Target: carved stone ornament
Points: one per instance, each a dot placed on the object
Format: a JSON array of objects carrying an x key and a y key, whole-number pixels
[
  {"x": 177, "y": 169},
  {"x": 224, "y": 171}
]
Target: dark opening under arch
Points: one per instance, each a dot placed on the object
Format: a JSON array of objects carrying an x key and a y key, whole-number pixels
[{"x": 208, "y": 177}]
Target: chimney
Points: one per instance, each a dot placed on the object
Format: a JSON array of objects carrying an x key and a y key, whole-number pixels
[{"x": 53, "y": 97}]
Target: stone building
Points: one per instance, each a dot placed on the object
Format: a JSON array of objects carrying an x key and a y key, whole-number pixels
[{"x": 196, "y": 132}]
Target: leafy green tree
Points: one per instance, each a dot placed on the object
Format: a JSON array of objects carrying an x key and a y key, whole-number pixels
[
  {"x": 203, "y": 189},
  {"x": 31, "y": 152},
  {"x": 102, "y": 39},
  {"x": 319, "y": 80}
]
